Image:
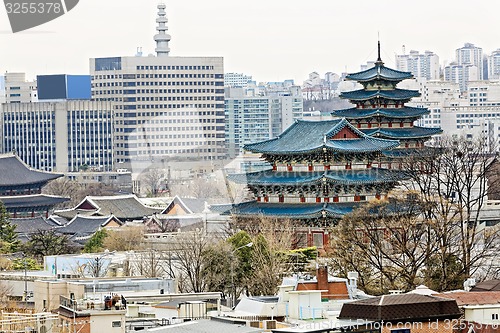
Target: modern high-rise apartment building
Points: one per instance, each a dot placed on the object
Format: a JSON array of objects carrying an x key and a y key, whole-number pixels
[
  {"x": 424, "y": 65},
  {"x": 470, "y": 55},
  {"x": 18, "y": 90},
  {"x": 165, "y": 106},
  {"x": 494, "y": 65},
  {"x": 253, "y": 118},
  {"x": 462, "y": 74},
  {"x": 62, "y": 136}
]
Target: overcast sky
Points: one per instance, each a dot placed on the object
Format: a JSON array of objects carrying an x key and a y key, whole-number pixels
[{"x": 272, "y": 40}]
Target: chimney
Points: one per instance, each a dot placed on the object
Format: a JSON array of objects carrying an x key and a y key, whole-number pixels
[{"x": 322, "y": 277}]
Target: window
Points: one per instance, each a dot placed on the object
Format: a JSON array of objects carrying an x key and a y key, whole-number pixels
[
  {"x": 116, "y": 323},
  {"x": 494, "y": 316},
  {"x": 318, "y": 240},
  {"x": 401, "y": 330}
]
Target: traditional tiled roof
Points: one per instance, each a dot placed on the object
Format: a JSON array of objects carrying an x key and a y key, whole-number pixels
[
  {"x": 82, "y": 226},
  {"x": 379, "y": 71},
  {"x": 190, "y": 205},
  {"x": 295, "y": 211},
  {"x": 393, "y": 94},
  {"x": 415, "y": 132},
  {"x": 344, "y": 177},
  {"x": 124, "y": 207},
  {"x": 405, "y": 307},
  {"x": 310, "y": 136},
  {"x": 31, "y": 201},
  {"x": 404, "y": 112},
  {"x": 14, "y": 172},
  {"x": 31, "y": 224}
]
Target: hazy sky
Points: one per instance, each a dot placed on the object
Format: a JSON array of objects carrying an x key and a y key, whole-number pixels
[{"x": 269, "y": 39}]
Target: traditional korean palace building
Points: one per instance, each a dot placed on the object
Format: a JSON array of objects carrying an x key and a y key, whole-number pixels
[
  {"x": 21, "y": 188},
  {"x": 322, "y": 170}
]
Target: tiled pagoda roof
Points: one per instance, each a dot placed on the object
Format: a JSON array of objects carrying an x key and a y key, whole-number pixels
[
  {"x": 295, "y": 211},
  {"x": 392, "y": 94},
  {"x": 404, "y": 112},
  {"x": 344, "y": 177},
  {"x": 404, "y": 133},
  {"x": 14, "y": 172},
  {"x": 379, "y": 71},
  {"x": 31, "y": 201},
  {"x": 311, "y": 136}
]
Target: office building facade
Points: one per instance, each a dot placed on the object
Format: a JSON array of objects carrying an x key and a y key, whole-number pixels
[
  {"x": 166, "y": 107},
  {"x": 62, "y": 136}
]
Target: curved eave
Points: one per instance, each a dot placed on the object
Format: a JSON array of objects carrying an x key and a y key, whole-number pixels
[
  {"x": 393, "y": 94},
  {"x": 379, "y": 72},
  {"x": 406, "y": 112},
  {"x": 337, "y": 177},
  {"x": 405, "y": 133},
  {"x": 294, "y": 211}
]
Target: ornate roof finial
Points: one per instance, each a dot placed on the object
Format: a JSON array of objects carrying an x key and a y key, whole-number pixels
[{"x": 379, "y": 59}]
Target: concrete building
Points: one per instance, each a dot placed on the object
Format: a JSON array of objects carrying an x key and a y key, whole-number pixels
[
  {"x": 473, "y": 121},
  {"x": 252, "y": 119},
  {"x": 165, "y": 106},
  {"x": 494, "y": 65},
  {"x": 424, "y": 65},
  {"x": 234, "y": 80},
  {"x": 62, "y": 136},
  {"x": 462, "y": 74},
  {"x": 483, "y": 93},
  {"x": 63, "y": 86},
  {"x": 470, "y": 54},
  {"x": 18, "y": 90}
]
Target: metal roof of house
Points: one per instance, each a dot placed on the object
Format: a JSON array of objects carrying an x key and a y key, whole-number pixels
[
  {"x": 473, "y": 297},
  {"x": 401, "y": 307},
  {"x": 488, "y": 285},
  {"x": 13, "y": 172},
  {"x": 310, "y": 136},
  {"x": 206, "y": 326}
]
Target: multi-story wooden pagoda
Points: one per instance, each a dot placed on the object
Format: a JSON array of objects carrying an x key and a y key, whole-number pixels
[
  {"x": 322, "y": 170},
  {"x": 380, "y": 111}
]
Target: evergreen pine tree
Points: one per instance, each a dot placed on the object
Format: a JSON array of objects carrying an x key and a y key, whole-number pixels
[{"x": 8, "y": 235}]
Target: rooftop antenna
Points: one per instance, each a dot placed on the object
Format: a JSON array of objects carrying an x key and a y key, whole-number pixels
[
  {"x": 139, "y": 52},
  {"x": 162, "y": 38}
]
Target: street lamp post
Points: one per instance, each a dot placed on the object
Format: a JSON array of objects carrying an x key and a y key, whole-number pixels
[{"x": 233, "y": 287}]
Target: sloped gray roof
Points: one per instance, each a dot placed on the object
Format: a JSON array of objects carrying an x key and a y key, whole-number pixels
[
  {"x": 31, "y": 224},
  {"x": 14, "y": 172},
  {"x": 126, "y": 207},
  {"x": 84, "y": 225}
]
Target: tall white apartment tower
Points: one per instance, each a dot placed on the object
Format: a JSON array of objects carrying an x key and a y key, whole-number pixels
[
  {"x": 494, "y": 65},
  {"x": 471, "y": 55},
  {"x": 166, "y": 107},
  {"x": 420, "y": 65}
]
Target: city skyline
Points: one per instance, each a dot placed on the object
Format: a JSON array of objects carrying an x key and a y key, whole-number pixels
[{"x": 272, "y": 41}]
